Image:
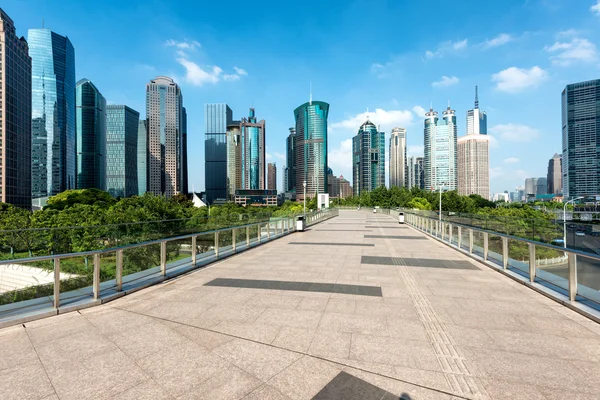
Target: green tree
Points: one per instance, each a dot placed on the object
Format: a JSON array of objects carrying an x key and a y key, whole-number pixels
[{"x": 69, "y": 198}]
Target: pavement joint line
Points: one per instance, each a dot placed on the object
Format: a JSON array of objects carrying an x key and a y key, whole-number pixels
[
  {"x": 461, "y": 395},
  {"x": 40, "y": 360}
]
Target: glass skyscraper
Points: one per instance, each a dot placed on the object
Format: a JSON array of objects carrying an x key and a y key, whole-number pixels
[
  {"x": 15, "y": 116},
  {"x": 142, "y": 157},
  {"x": 581, "y": 139},
  {"x": 217, "y": 118},
  {"x": 253, "y": 152},
  {"x": 311, "y": 148},
  {"x": 290, "y": 170},
  {"x": 415, "y": 176},
  {"x": 121, "y": 150},
  {"x": 368, "y": 151},
  {"x": 90, "y": 119},
  {"x": 184, "y": 149},
  {"x": 53, "y": 157},
  {"x": 398, "y": 157},
  {"x": 234, "y": 157},
  {"x": 440, "y": 163}
]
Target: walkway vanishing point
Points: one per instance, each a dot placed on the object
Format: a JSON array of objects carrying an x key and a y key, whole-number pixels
[{"x": 357, "y": 307}]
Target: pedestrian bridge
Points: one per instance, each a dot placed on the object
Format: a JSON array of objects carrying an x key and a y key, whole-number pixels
[{"x": 356, "y": 307}]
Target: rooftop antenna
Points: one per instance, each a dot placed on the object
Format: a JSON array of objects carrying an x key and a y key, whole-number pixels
[
  {"x": 431, "y": 106},
  {"x": 476, "y": 98},
  {"x": 310, "y": 96},
  {"x": 367, "y": 113},
  {"x": 42, "y": 23}
]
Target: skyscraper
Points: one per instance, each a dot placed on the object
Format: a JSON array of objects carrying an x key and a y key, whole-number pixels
[
  {"x": 53, "y": 154},
  {"x": 555, "y": 174},
  {"x": 164, "y": 104},
  {"x": 122, "y": 125},
  {"x": 272, "y": 179},
  {"x": 398, "y": 157},
  {"x": 90, "y": 122},
  {"x": 311, "y": 148},
  {"x": 15, "y": 116},
  {"x": 290, "y": 170},
  {"x": 440, "y": 162},
  {"x": 184, "y": 150},
  {"x": 142, "y": 157},
  {"x": 415, "y": 176},
  {"x": 581, "y": 139},
  {"x": 217, "y": 118},
  {"x": 234, "y": 160},
  {"x": 368, "y": 158},
  {"x": 253, "y": 152},
  {"x": 476, "y": 119}
]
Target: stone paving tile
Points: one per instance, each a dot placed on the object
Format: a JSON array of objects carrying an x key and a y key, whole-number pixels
[
  {"x": 344, "y": 305},
  {"x": 353, "y": 323},
  {"x": 206, "y": 339},
  {"x": 330, "y": 344},
  {"x": 108, "y": 320},
  {"x": 266, "y": 392},
  {"x": 313, "y": 304},
  {"x": 25, "y": 381},
  {"x": 510, "y": 390},
  {"x": 291, "y": 318},
  {"x": 16, "y": 348},
  {"x": 296, "y": 339},
  {"x": 57, "y": 327},
  {"x": 305, "y": 378},
  {"x": 136, "y": 344},
  {"x": 147, "y": 390},
  {"x": 229, "y": 384},
  {"x": 74, "y": 347},
  {"x": 260, "y": 332}
]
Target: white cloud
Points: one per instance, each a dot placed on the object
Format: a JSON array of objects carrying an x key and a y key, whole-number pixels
[
  {"x": 495, "y": 172},
  {"x": 596, "y": 8},
  {"x": 415, "y": 150},
  {"x": 240, "y": 71},
  {"x": 493, "y": 142},
  {"x": 419, "y": 111},
  {"x": 268, "y": 156},
  {"x": 515, "y": 79},
  {"x": 577, "y": 50},
  {"x": 511, "y": 160},
  {"x": 340, "y": 159},
  {"x": 185, "y": 45},
  {"x": 280, "y": 156},
  {"x": 445, "y": 48},
  {"x": 199, "y": 76},
  {"x": 499, "y": 40},
  {"x": 515, "y": 132},
  {"x": 446, "y": 81},
  {"x": 385, "y": 119}
]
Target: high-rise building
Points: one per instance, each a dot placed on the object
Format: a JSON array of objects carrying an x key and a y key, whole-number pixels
[
  {"x": 474, "y": 155},
  {"x": 122, "y": 125},
  {"x": 15, "y": 116},
  {"x": 368, "y": 158},
  {"x": 90, "y": 122},
  {"x": 398, "y": 157},
  {"x": 541, "y": 186},
  {"x": 311, "y": 148},
  {"x": 253, "y": 152},
  {"x": 520, "y": 193},
  {"x": 535, "y": 186},
  {"x": 142, "y": 157},
  {"x": 290, "y": 170},
  {"x": 234, "y": 160},
  {"x": 184, "y": 150},
  {"x": 272, "y": 172},
  {"x": 164, "y": 104},
  {"x": 217, "y": 118},
  {"x": 415, "y": 176},
  {"x": 440, "y": 161},
  {"x": 555, "y": 174},
  {"x": 345, "y": 188},
  {"x": 53, "y": 153},
  {"x": 580, "y": 139}
]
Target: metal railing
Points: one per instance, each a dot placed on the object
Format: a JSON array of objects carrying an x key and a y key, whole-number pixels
[{"x": 203, "y": 247}]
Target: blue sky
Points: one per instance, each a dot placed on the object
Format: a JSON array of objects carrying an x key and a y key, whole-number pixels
[{"x": 393, "y": 57}]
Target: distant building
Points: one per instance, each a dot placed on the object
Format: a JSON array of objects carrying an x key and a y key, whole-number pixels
[
  {"x": 234, "y": 160},
  {"x": 256, "y": 198},
  {"x": 520, "y": 193},
  {"x": 253, "y": 162},
  {"x": 90, "y": 121},
  {"x": 53, "y": 153},
  {"x": 142, "y": 157},
  {"x": 338, "y": 187},
  {"x": 368, "y": 158},
  {"x": 580, "y": 138},
  {"x": 555, "y": 174},
  {"x": 272, "y": 180},
  {"x": 184, "y": 155},
  {"x": 535, "y": 187},
  {"x": 290, "y": 169},
  {"x": 502, "y": 197},
  {"x": 122, "y": 124},
  {"x": 345, "y": 188},
  {"x": 398, "y": 157},
  {"x": 440, "y": 161},
  {"x": 217, "y": 118},
  {"x": 415, "y": 174},
  {"x": 15, "y": 121}
]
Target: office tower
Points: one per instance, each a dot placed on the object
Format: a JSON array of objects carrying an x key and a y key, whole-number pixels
[
  {"x": 90, "y": 122},
  {"x": 398, "y": 157},
  {"x": 555, "y": 174},
  {"x": 53, "y": 153},
  {"x": 580, "y": 139},
  {"x": 290, "y": 170},
  {"x": 520, "y": 193},
  {"x": 234, "y": 160},
  {"x": 253, "y": 152},
  {"x": 368, "y": 158},
  {"x": 476, "y": 119},
  {"x": 345, "y": 188},
  {"x": 541, "y": 186},
  {"x": 333, "y": 184},
  {"x": 440, "y": 161},
  {"x": 165, "y": 149},
  {"x": 122, "y": 124},
  {"x": 184, "y": 150},
  {"x": 311, "y": 148},
  {"x": 530, "y": 187},
  {"x": 15, "y": 116},
  {"x": 272, "y": 172},
  {"x": 217, "y": 118},
  {"x": 415, "y": 176},
  {"x": 535, "y": 186},
  {"x": 142, "y": 157}
]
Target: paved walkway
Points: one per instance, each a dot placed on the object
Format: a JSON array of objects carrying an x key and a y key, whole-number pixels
[{"x": 445, "y": 329}]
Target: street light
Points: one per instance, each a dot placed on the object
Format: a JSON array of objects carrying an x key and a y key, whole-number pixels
[
  {"x": 304, "y": 183},
  {"x": 565, "y": 219}
]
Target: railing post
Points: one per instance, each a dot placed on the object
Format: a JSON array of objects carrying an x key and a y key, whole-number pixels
[
  {"x": 217, "y": 244},
  {"x": 233, "y": 239},
  {"x": 96, "y": 276},
  {"x": 163, "y": 258},
  {"x": 450, "y": 232},
  {"x": 470, "y": 241},
  {"x": 258, "y": 236},
  {"x": 531, "y": 262},
  {"x": 504, "y": 252},
  {"x": 442, "y": 230},
  {"x": 194, "y": 249},
  {"x": 459, "y": 237},
  {"x": 56, "y": 282},
  {"x": 119, "y": 277},
  {"x": 269, "y": 230},
  {"x": 485, "y": 245},
  {"x": 572, "y": 260},
  {"x": 248, "y": 236}
]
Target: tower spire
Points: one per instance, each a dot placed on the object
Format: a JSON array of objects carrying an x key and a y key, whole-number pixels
[
  {"x": 310, "y": 95},
  {"x": 476, "y": 98}
]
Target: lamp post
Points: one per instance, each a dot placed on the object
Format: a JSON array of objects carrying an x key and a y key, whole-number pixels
[
  {"x": 304, "y": 183},
  {"x": 565, "y": 219}
]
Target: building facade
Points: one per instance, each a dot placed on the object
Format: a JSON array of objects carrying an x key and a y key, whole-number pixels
[
  {"x": 53, "y": 153},
  {"x": 581, "y": 139},
  {"x": 398, "y": 157},
  {"x": 555, "y": 174},
  {"x": 217, "y": 118},
  {"x": 535, "y": 187},
  {"x": 368, "y": 158},
  {"x": 234, "y": 160},
  {"x": 476, "y": 119},
  {"x": 253, "y": 153},
  {"x": 440, "y": 161},
  {"x": 184, "y": 150},
  {"x": 311, "y": 148},
  {"x": 15, "y": 116},
  {"x": 142, "y": 157},
  {"x": 272, "y": 176},
  {"x": 164, "y": 103},
  {"x": 122, "y": 125},
  {"x": 90, "y": 122},
  {"x": 290, "y": 169},
  {"x": 415, "y": 175}
]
